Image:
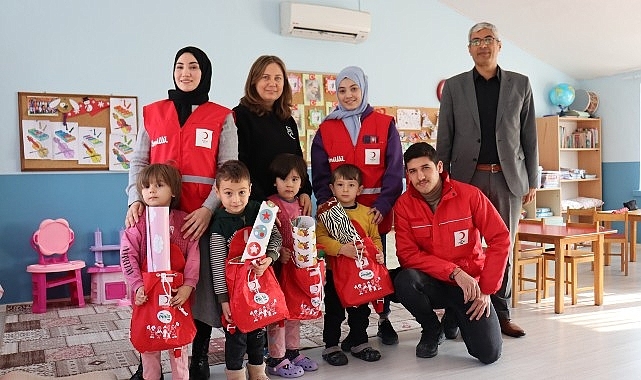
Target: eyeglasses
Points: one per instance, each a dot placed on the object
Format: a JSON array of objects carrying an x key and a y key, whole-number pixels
[{"x": 484, "y": 41}]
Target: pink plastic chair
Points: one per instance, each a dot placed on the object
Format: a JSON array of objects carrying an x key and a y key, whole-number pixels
[{"x": 52, "y": 241}]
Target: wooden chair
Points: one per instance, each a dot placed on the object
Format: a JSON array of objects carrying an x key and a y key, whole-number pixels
[
  {"x": 525, "y": 254},
  {"x": 573, "y": 257},
  {"x": 605, "y": 219},
  {"x": 52, "y": 241}
]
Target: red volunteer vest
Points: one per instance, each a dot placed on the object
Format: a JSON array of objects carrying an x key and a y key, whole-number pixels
[
  {"x": 368, "y": 155},
  {"x": 193, "y": 149}
]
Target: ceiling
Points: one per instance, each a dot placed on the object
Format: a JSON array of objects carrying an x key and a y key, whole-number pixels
[{"x": 585, "y": 39}]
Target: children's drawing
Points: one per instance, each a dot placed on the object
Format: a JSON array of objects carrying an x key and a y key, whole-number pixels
[
  {"x": 65, "y": 140},
  {"x": 408, "y": 118},
  {"x": 92, "y": 146},
  {"x": 120, "y": 151},
  {"x": 36, "y": 138},
  {"x": 123, "y": 116}
]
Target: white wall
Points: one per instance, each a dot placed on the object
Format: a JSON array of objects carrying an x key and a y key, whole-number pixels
[
  {"x": 619, "y": 105},
  {"x": 127, "y": 47}
]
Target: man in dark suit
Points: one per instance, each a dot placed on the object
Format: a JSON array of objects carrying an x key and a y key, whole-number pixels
[{"x": 487, "y": 137}]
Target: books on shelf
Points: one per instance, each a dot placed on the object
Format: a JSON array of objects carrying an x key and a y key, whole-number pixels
[{"x": 581, "y": 138}]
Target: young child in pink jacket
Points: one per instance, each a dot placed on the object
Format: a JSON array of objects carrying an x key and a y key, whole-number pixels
[{"x": 159, "y": 186}]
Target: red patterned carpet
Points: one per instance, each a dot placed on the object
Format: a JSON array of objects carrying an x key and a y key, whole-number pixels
[{"x": 68, "y": 340}]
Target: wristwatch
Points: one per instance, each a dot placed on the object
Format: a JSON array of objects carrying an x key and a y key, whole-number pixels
[{"x": 454, "y": 273}]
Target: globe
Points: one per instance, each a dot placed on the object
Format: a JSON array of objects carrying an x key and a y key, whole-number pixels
[{"x": 562, "y": 95}]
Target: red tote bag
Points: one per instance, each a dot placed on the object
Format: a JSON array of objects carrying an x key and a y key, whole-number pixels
[
  {"x": 304, "y": 290},
  {"x": 157, "y": 326},
  {"x": 255, "y": 302},
  {"x": 362, "y": 280}
]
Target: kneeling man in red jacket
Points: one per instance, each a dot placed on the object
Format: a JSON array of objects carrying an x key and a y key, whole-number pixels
[{"x": 439, "y": 224}]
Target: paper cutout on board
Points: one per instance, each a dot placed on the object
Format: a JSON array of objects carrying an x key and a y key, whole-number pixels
[
  {"x": 123, "y": 118},
  {"x": 295, "y": 82},
  {"x": 37, "y": 139},
  {"x": 89, "y": 106},
  {"x": 330, "y": 84},
  {"x": 429, "y": 127},
  {"x": 92, "y": 146},
  {"x": 310, "y": 138},
  {"x": 298, "y": 112},
  {"x": 65, "y": 140}
]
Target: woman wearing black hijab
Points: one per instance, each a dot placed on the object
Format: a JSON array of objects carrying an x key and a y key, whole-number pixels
[{"x": 197, "y": 136}]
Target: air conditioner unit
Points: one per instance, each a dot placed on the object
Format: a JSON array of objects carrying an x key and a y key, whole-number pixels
[{"x": 324, "y": 23}]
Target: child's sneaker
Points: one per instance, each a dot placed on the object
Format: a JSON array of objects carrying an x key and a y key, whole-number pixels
[{"x": 284, "y": 368}]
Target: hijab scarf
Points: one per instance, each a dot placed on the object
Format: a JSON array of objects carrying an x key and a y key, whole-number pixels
[
  {"x": 184, "y": 101},
  {"x": 352, "y": 118}
]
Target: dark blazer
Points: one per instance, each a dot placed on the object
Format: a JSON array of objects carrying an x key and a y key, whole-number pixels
[{"x": 459, "y": 130}]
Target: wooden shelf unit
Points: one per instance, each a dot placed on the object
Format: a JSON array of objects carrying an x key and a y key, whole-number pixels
[{"x": 552, "y": 132}]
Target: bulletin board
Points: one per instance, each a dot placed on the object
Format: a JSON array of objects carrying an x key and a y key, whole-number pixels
[
  {"x": 76, "y": 131},
  {"x": 314, "y": 97}
]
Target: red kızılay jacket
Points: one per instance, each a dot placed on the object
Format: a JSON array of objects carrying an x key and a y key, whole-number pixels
[{"x": 436, "y": 243}]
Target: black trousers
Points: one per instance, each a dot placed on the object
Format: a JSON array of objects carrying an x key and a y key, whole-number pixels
[
  {"x": 237, "y": 344},
  {"x": 358, "y": 318},
  {"x": 421, "y": 294}
]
